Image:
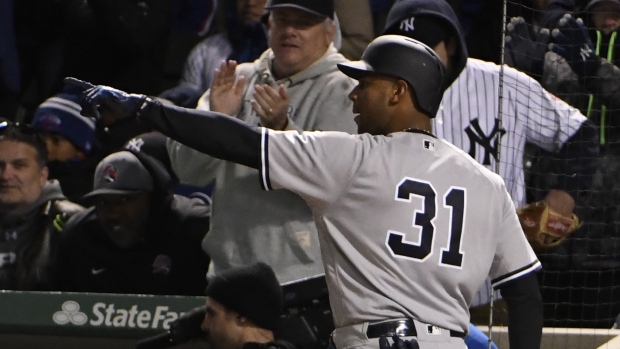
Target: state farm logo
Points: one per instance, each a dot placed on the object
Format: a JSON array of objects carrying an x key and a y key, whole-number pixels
[
  {"x": 70, "y": 313},
  {"x": 109, "y": 315}
]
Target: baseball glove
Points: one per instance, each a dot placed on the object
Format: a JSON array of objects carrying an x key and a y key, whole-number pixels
[{"x": 544, "y": 227}]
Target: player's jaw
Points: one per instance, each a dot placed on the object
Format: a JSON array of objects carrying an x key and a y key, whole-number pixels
[
  {"x": 366, "y": 123},
  {"x": 358, "y": 120}
]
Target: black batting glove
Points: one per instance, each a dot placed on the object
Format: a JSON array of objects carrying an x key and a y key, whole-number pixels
[
  {"x": 526, "y": 52},
  {"x": 571, "y": 41},
  {"x": 115, "y": 102},
  {"x": 398, "y": 343}
]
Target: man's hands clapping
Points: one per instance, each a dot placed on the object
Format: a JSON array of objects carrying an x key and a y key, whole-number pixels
[
  {"x": 227, "y": 92},
  {"x": 271, "y": 106}
]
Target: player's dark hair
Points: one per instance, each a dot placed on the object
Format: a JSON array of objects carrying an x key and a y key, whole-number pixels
[{"x": 23, "y": 133}]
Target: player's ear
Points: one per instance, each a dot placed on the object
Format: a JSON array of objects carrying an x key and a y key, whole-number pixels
[{"x": 400, "y": 90}]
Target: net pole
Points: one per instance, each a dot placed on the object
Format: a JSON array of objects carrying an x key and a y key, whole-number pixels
[{"x": 499, "y": 146}]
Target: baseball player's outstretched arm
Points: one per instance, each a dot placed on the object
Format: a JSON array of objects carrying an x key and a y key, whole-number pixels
[
  {"x": 525, "y": 315},
  {"x": 215, "y": 134},
  {"x": 212, "y": 133}
]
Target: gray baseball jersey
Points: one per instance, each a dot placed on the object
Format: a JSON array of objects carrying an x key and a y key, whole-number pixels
[{"x": 409, "y": 225}]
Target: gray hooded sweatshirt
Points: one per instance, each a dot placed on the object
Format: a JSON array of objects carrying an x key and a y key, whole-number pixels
[{"x": 247, "y": 223}]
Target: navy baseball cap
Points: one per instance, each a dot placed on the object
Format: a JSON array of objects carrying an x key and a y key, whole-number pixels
[
  {"x": 121, "y": 173},
  {"x": 323, "y": 8}
]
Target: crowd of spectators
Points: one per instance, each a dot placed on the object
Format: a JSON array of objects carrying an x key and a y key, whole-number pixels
[{"x": 64, "y": 187}]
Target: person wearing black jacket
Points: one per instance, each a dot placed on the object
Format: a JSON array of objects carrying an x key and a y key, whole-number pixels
[
  {"x": 32, "y": 210},
  {"x": 138, "y": 238}
]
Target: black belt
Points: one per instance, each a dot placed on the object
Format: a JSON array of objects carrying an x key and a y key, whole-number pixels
[{"x": 403, "y": 328}]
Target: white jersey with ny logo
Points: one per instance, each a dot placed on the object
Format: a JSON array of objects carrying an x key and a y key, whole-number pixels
[
  {"x": 469, "y": 117},
  {"x": 409, "y": 225}
]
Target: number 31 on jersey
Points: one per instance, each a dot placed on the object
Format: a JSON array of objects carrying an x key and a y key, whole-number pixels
[{"x": 453, "y": 199}]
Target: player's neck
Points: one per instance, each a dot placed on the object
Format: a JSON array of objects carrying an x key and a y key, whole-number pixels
[
  {"x": 417, "y": 130},
  {"x": 420, "y": 123}
]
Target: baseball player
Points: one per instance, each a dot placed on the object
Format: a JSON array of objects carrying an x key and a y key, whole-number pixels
[
  {"x": 469, "y": 114},
  {"x": 410, "y": 226}
]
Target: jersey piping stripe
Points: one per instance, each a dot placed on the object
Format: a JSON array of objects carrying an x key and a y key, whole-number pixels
[
  {"x": 515, "y": 274},
  {"x": 264, "y": 148}
]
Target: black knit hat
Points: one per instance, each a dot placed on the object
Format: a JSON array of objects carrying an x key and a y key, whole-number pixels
[{"x": 252, "y": 291}]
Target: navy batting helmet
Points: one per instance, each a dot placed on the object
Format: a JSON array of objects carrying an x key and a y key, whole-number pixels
[{"x": 407, "y": 59}]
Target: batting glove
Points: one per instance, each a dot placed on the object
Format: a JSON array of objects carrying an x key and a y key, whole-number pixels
[
  {"x": 118, "y": 103},
  {"x": 526, "y": 52},
  {"x": 398, "y": 343},
  {"x": 573, "y": 43}
]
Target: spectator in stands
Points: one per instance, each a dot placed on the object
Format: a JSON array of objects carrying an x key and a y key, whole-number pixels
[
  {"x": 555, "y": 9},
  {"x": 138, "y": 237},
  {"x": 575, "y": 78},
  {"x": 299, "y": 72},
  {"x": 193, "y": 16},
  {"x": 154, "y": 144},
  {"x": 356, "y": 26},
  {"x": 32, "y": 210},
  {"x": 243, "y": 308},
  {"x": 243, "y": 40},
  {"x": 473, "y": 124},
  {"x": 70, "y": 141}
]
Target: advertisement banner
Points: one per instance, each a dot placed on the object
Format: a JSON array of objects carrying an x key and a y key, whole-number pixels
[{"x": 91, "y": 314}]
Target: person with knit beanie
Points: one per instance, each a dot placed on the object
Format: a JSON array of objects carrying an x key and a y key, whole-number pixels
[
  {"x": 243, "y": 309},
  {"x": 68, "y": 135},
  {"x": 71, "y": 142}
]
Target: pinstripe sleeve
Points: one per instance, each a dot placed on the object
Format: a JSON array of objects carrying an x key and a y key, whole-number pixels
[{"x": 549, "y": 121}]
